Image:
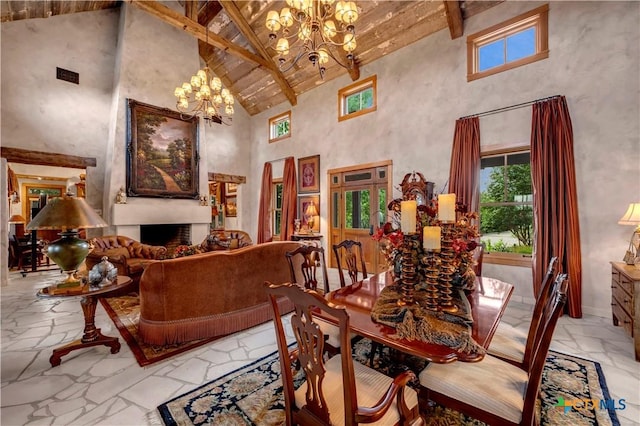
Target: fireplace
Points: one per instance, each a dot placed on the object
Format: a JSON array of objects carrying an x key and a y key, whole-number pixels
[{"x": 170, "y": 235}]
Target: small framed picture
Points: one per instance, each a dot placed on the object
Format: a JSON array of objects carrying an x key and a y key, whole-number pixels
[
  {"x": 309, "y": 213},
  {"x": 309, "y": 174},
  {"x": 232, "y": 188},
  {"x": 231, "y": 207}
]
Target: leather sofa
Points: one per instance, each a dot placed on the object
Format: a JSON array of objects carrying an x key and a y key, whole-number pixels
[
  {"x": 225, "y": 240},
  {"x": 210, "y": 294},
  {"x": 126, "y": 254}
]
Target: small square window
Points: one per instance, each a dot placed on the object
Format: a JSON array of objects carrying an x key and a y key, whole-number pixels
[
  {"x": 357, "y": 99},
  {"x": 518, "y": 41},
  {"x": 280, "y": 127}
]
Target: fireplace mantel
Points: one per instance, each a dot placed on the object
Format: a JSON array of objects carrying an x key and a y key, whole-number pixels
[
  {"x": 148, "y": 213},
  {"x": 127, "y": 218}
]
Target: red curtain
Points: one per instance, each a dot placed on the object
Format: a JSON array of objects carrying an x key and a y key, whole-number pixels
[
  {"x": 555, "y": 200},
  {"x": 264, "y": 209},
  {"x": 464, "y": 172},
  {"x": 289, "y": 196}
]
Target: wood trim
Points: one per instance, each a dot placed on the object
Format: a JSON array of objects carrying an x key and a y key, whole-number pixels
[
  {"x": 277, "y": 118},
  {"x": 173, "y": 18},
  {"x": 245, "y": 29},
  {"x": 208, "y": 12},
  {"x": 508, "y": 150},
  {"x": 509, "y": 259},
  {"x": 26, "y": 156},
  {"x": 454, "y": 18},
  {"x": 39, "y": 177},
  {"x": 221, "y": 177},
  {"x": 191, "y": 9},
  {"x": 362, "y": 85},
  {"x": 536, "y": 18},
  {"x": 360, "y": 167}
]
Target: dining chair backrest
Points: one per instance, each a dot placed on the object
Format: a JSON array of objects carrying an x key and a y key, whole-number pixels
[
  {"x": 305, "y": 274},
  {"x": 546, "y": 290},
  {"x": 351, "y": 252},
  {"x": 314, "y": 408},
  {"x": 548, "y": 324}
]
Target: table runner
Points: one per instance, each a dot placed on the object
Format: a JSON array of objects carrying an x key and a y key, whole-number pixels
[{"x": 414, "y": 322}]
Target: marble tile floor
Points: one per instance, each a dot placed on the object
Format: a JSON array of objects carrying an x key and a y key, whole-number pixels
[{"x": 94, "y": 387}]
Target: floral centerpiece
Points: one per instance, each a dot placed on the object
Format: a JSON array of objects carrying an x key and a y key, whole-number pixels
[
  {"x": 465, "y": 235},
  {"x": 185, "y": 250}
]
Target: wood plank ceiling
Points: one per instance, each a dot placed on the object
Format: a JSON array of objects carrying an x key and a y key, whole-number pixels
[{"x": 236, "y": 44}]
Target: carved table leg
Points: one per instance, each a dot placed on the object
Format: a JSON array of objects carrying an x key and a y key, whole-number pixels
[{"x": 91, "y": 337}]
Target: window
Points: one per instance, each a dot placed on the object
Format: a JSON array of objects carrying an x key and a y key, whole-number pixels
[
  {"x": 276, "y": 207},
  {"x": 506, "y": 206},
  {"x": 357, "y": 99},
  {"x": 280, "y": 127},
  {"x": 510, "y": 44}
]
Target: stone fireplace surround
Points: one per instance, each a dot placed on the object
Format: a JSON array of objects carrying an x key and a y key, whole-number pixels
[{"x": 127, "y": 218}]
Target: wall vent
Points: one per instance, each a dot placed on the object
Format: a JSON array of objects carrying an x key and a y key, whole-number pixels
[{"x": 66, "y": 75}]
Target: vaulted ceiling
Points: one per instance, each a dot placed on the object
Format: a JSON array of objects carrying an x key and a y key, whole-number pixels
[{"x": 236, "y": 45}]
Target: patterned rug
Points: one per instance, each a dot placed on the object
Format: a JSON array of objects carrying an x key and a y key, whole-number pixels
[
  {"x": 124, "y": 311},
  {"x": 252, "y": 395}
]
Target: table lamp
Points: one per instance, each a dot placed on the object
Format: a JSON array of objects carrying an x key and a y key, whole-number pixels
[
  {"x": 68, "y": 214},
  {"x": 311, "y": 212},
  {"x": 632, "y": 217}
]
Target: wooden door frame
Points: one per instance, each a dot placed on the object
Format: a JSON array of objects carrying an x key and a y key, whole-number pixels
[{"x": 385, "y": 163}]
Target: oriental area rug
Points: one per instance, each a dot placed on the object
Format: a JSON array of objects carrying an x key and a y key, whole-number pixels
[
  {"x": 124, "y": 311},
  {"x": 252, "y": 395}
]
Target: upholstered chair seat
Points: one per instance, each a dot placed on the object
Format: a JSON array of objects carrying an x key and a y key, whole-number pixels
[
  {"x": 509, "y": 343},
  {"x": 370, "y": 387},
  {"x": 491, "y": 385}
]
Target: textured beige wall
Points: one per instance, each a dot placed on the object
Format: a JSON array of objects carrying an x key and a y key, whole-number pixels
[{"x": 422, "y": 90}]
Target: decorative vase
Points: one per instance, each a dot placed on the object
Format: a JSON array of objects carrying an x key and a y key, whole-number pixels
[{"x": 103, "y": 273}]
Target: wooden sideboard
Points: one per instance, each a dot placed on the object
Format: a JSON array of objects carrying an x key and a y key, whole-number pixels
[{"x": 625, "y": 306}]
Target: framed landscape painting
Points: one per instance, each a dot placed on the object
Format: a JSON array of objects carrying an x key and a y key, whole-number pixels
[
  {"x": 309, "y": 174},
  {"x": 162, "y": 152}
]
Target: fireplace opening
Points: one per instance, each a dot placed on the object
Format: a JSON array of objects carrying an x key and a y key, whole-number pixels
[{"x": 168, "y": 235}]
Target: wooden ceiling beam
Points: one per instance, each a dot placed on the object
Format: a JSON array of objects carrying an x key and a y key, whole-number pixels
[
  {"x": 191, "y": 9},
  {"x": 208, "y": 12},
  {"x": 245, "y": 29},
  {"x": 175, "y": 19},
  {"x": 26, "y": 156},
  {"x": 454, "y": 18}
]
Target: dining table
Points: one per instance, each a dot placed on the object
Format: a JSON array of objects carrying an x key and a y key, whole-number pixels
[{"x": 487, "y": 302}]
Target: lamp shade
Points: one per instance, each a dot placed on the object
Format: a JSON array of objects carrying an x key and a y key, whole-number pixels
[
  {"x": 311, "y": 210},
  {"x": 66, "y": 213},
  {"x": 16, "y": 218},
  {"x": 631, "y": 216}
]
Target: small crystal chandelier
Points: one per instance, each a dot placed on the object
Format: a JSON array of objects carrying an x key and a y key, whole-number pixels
[
  {"x": 317, "y": 33},
  {"x": 208, "y": 97}
]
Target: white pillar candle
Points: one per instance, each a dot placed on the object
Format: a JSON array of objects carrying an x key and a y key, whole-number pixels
[
  {"x": 431, "y": 238},
  {"x": 447, "y": 207},
  {"x": 408, "y": 216}
]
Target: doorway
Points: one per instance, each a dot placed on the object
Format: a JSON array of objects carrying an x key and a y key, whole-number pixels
[{"x": 358, "y": 205}]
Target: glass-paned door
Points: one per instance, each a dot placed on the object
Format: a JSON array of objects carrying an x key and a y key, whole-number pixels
[{"x": 358, "y": 206}]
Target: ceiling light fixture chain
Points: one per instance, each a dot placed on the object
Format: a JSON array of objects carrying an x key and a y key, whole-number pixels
[
  {"x": 210, "y": 99},
  {"x": 311, "y": 22}
]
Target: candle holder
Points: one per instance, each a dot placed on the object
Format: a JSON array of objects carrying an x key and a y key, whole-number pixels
[
  {"x": 408, "y": 276},
  {"x": 446, "y": 268},
  {"x": 432, "y": 273}
]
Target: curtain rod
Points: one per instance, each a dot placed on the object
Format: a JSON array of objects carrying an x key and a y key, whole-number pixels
[
  {"x": 509, "y": 108},
  {"x": 279, "y": 159}
]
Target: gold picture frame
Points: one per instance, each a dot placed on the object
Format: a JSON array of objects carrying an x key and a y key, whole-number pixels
[{"x": 309, "y": 174}]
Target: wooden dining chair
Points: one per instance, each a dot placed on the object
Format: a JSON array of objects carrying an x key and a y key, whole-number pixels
[
  {"x": 351, "y": 252},
  {"x": 513, "y": 345},
  {"x": 339, "y": 390},
  {"x": 478, "y": 255},
  {"x": 306, "y": 275},
  {"x": 492, "y": 390}
]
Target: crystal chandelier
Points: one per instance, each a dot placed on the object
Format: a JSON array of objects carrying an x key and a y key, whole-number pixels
[
  {"x": 205, "y": 95},
  {"x": 208, "y": 97},
  {"x": 309, "y": 24}
]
